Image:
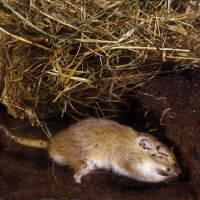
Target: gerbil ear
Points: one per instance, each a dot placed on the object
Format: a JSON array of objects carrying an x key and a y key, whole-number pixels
[{"x": 145, "y": 144}]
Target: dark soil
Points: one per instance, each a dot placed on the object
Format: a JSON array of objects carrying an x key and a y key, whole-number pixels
[{"x": 170, "y": 110}]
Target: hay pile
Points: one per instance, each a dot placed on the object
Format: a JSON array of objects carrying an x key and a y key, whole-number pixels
[{"x": 70, "y": 56}]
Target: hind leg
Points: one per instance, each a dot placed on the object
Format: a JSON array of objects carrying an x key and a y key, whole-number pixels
[{"x": 85, "y": 168}]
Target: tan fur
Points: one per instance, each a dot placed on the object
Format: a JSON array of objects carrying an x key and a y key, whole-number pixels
[
  {"x": 96, "y": 143},
  {"x": 25, "y": 141}
]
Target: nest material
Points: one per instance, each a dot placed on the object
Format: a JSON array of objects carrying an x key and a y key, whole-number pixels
[{"x": 68, "y": 56}]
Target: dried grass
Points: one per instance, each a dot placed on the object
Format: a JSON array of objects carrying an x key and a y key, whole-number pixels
[{"x": 70, "y": 56}]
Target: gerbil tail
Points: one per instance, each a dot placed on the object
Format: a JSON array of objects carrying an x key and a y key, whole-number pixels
[{"x": 25, "y": 141}]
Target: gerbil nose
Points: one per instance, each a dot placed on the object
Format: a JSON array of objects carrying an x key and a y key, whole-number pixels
[{"x": 177, "y": 168}]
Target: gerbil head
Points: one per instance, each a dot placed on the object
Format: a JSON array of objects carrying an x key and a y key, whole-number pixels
[{"x": 157, "y": 163}]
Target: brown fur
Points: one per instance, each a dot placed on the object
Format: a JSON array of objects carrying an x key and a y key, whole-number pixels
[{"x": 96, "y": 143}]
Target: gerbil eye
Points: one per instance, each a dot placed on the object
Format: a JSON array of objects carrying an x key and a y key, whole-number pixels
[
  {"x": 162, "y": 150},
  {"x": 145, "y": 144}
]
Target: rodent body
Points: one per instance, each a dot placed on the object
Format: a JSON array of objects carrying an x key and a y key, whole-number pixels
[{"x": 95, "y": 143}]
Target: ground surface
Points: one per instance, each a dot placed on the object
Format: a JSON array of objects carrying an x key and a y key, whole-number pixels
[{"x": 172, "y": 110}]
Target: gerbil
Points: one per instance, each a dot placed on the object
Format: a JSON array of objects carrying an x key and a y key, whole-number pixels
[{"x": 96, "y": 143}]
